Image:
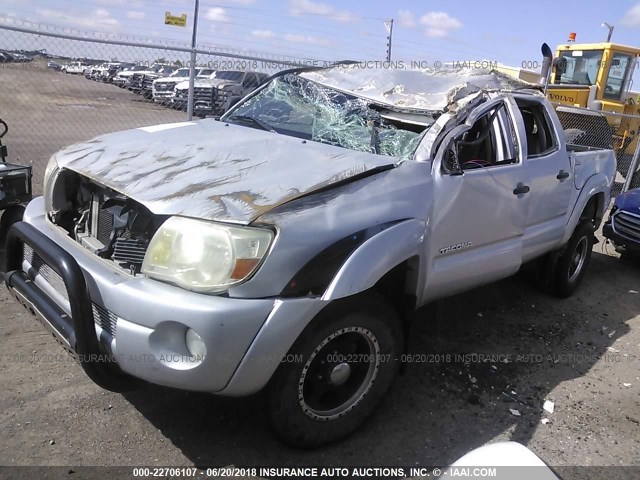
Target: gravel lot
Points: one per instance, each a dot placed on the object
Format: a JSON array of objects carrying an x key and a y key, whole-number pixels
[{"x": 582, "y": 353}]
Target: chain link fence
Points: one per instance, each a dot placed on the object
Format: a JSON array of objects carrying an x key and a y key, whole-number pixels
[
  {"x": 60, "y": 87},
  {"x": 602, "y": 129},
  {"x": 64, "y": 86}
]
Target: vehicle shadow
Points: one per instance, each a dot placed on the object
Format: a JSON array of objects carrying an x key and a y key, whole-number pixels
[{"x": 473, "y": 357}]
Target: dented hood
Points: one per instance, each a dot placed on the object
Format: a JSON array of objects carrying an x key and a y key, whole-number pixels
[{"x": 212, "y": 170}]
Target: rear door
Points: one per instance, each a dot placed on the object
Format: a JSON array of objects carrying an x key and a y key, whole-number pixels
[
  {"x": 479, "y": 212},
  {"x": 551, "y": 177}
]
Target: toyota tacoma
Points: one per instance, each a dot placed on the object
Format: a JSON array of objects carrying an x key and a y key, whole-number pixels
[{"x": 283, "y": 246}]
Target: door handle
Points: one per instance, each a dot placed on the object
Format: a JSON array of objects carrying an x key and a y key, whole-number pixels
[
  {"x": 521, "y": 188},
  {"x": 562, "y": 175}
]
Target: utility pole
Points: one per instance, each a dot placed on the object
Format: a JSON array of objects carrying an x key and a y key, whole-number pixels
[
  {"x": 610, "y": 27},
  {"x": 192, "y": 68},
  {"x": 388, "y": 24}
]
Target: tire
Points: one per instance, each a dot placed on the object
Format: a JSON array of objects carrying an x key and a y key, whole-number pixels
[
  {"x": 563, "y": 270},
  {"x": 319, "y": 398}
]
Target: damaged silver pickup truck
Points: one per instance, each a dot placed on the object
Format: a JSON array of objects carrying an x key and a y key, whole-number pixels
[{"x": 282, "y": 247}]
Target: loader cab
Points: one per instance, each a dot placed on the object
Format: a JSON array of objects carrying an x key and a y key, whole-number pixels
[{"x": 596, "y": 76}]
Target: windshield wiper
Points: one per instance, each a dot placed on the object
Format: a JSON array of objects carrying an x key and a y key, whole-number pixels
[{"x": 255, "y": 121}]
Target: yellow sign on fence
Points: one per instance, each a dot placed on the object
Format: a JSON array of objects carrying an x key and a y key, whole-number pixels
[{"x": 180, "y": 21}]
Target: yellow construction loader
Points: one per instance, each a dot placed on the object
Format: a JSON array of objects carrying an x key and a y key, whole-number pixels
[
  {"x": 599, "y": 76},
  {"x": 592, "y": 87}
]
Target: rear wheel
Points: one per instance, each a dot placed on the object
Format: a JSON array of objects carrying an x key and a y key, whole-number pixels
[
  {"x": 342, "y": 365},
  {"x": 563, "y": 270}
]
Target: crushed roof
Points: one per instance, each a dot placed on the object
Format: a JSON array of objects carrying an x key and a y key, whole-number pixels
[{"x": 413, "y": 90}]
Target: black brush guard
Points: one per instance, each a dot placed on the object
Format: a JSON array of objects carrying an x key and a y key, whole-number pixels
[{"x": 76, "y": 333}]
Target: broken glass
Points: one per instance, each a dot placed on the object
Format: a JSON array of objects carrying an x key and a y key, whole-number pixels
[{"x": 298, "y": 107}]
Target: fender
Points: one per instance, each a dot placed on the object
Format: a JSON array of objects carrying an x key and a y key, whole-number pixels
[
  {"x": 283, "y": 326},
  {"x": 290, "y": 316},
  {"x": 594, "y": 185},
  {"x": 377, "y": 256}
]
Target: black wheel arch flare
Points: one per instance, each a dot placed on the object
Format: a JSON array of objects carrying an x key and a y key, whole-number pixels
[{"x": 315, "y": 276}]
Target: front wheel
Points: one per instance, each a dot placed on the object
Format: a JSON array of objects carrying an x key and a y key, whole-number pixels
[
  {"x": 342, "y": 366},
  {"x": 563, "y": 270}
]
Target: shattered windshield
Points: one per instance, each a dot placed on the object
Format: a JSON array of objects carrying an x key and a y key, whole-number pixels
[{"x": 292, "y": 105}]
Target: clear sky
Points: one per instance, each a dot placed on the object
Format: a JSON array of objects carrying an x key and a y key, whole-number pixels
[{"x": 509, "y": 32}]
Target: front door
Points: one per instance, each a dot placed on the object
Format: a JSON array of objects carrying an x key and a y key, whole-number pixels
[{"x": 480, "y": 208}]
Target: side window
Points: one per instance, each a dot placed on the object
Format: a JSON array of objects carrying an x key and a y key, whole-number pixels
[
  {"x": 617, "y": 72},
  {"x": 540, "y": 137},
  {"x": 490, "y": 142}
]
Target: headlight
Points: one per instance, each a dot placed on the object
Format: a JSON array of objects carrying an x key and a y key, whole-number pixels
[
  {"x": 203, "y": 256},
  {"x": 50, "y": 175}
]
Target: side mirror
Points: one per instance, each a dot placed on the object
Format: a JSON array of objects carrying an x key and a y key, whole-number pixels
[{"x": 450, "y": 160}]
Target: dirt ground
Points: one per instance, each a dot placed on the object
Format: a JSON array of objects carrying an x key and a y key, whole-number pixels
[{"x": 523, "y": 347}]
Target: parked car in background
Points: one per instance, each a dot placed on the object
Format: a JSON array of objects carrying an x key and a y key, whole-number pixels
[
  {"x": 164, "y": 87},
  {"x": 110, "y": 74},
  {"x": 141, "y": 82},
  {"x": 181, "y": 88},
  {"x": 103, "y": 72},
  {"x": 123, "y": 77},
  {"x": 96, "y": 75},
  {"x": 88, "y": 70},
  {"x": 93, "y": 71},
  {"x": 215, "y": 95},
  {"x": 76, "y": 68},
  {"x": 54, "y": 66},
  {"x": 623, "y": 225},
  {"x": 6, "y": 57},
  {"x": 21, "y": 58}
]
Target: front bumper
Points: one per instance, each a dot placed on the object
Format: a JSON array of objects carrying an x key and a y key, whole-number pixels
[
  {"x": 627, "y": 240},
  {"x": 149, "y": 319},
  {"x": 162, "y": 96}
]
